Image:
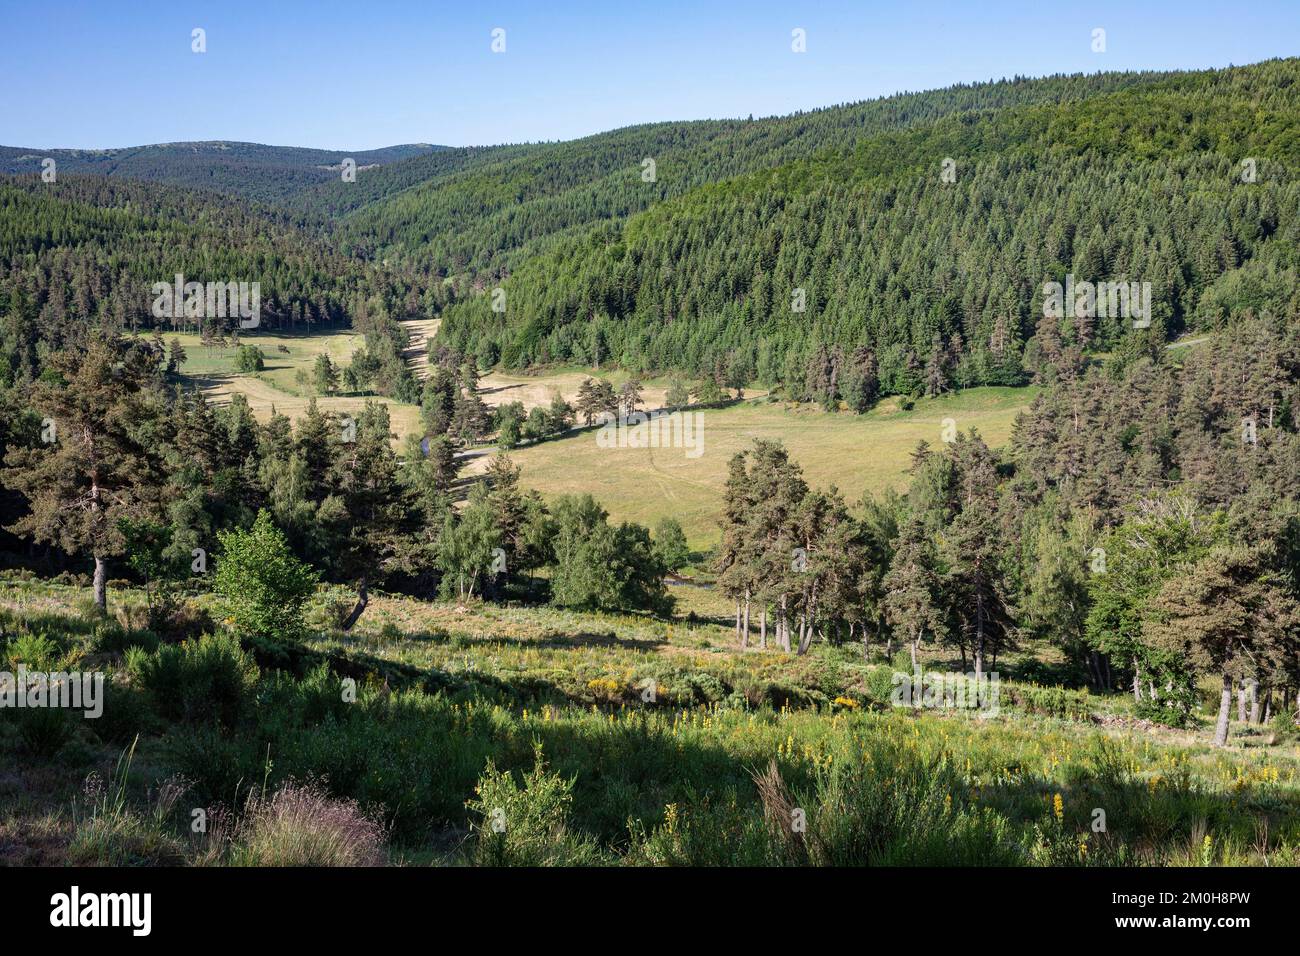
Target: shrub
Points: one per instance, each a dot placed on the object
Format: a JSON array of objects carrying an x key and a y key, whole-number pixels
[
  {"x": 879, "y": 687},
  {"x": 300, "y": 825},
  {"x": 43, "y": 731},
  {"x": 208, "y": 679},
  {"x": 249, "y": 358},
  {"x": 529, "y": 826},
  {"x": 1053, "y": 701},
  {"x": 222, "y": 766},
  {"x": 328, "y": 607},
  {"x": 262, "y": 585},
  {"x": 126, "y": 713},
  {"x": 1286, "y": 726},
  {"x": 35, "y": 651},
  {"x": 670, "y": 544},
  {"x": 321, "y": 694},
  {"x": 716, "y": 831},
  {"x": 110, "y": 637},
  {"x": 888, "y": 807}
]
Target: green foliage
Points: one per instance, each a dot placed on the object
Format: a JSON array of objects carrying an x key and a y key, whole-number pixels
[
  {"x": 466, "y": 549},
  {"x": 262, "y": 585},
  {"x": 249, "y": 170},
  {"x": 601, "y": 566},
  {"x": 859, "y": 221},
  {"x": 42, "y": 731},
  {"x": 528, "y": 825},
  {"x": 670, "y": 544},
  {"x": 209, "y": 680},
  {"x": 1053, "y": 701},
  {"x": 38, "y": 652},
  {"x": 249, "y": 358}
]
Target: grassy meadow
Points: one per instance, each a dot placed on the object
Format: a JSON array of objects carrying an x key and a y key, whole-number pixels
[
  {"x": 855, "y": 453},
  {"x": 212, "y": 369}
]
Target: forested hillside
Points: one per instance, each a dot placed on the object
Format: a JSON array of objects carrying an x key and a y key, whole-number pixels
[
  {"x": 863, "y": 262},
  {"x": 485, "y": 212},
  {"x": 83, "y": 256},
  {"x": 894, "y": 246},
  {"x": 250, "y": 170}
]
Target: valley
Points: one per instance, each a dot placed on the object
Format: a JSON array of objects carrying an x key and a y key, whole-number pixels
[{"x": 369, "y": 583}]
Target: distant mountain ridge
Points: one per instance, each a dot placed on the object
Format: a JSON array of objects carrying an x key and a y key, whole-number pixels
[{"x": 250, "y": 170}]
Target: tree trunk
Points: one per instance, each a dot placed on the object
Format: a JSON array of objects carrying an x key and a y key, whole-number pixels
[
  {"x": 762, "y": 628},
  {"x": 806, "y": 636},
  {"x": 1241, "y": 704},
  {"x": 737, "y": 621},
  {"x": 783, "y": 628},
  {"x": 363, "y": 598},
  {"x": 101, "y": 584},
  {"x": 916, "y": 648},
  {"x": 1254, "y": 703},
  {"x": 744, "y": 634},
  {"x": 1225, "y": 709}
]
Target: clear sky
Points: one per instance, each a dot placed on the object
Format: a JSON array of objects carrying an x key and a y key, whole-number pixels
[{"x": 357, "y": 75}]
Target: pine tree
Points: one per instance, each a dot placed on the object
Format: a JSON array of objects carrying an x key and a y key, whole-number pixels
[
  {"x": 325, "y": 376},
  {"x": 374, "y": 505},
  {"x": 94, "y": 469},
  {"x": 629, "y": 398},
  {"x": 912, "y": 598},
  {"x": 176, "y": 356},
  {"x": 735, "y": 552},
  {"x": 586, "y": 403},
  {"x": 1225, "y": 613}
]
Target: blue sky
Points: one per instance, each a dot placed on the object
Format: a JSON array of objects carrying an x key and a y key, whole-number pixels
[{"x": 357, "y": 75}]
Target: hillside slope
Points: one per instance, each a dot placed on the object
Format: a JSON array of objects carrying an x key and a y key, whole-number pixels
[
  {"x": 483, "y": 212},
  {"x": 860, "y": 260},
  {"x": 250, "y": 170}
]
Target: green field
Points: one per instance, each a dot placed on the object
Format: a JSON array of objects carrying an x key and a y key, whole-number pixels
[
  {"x": 212, "y": 369},
  {"x": 856, "y": 453}
]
